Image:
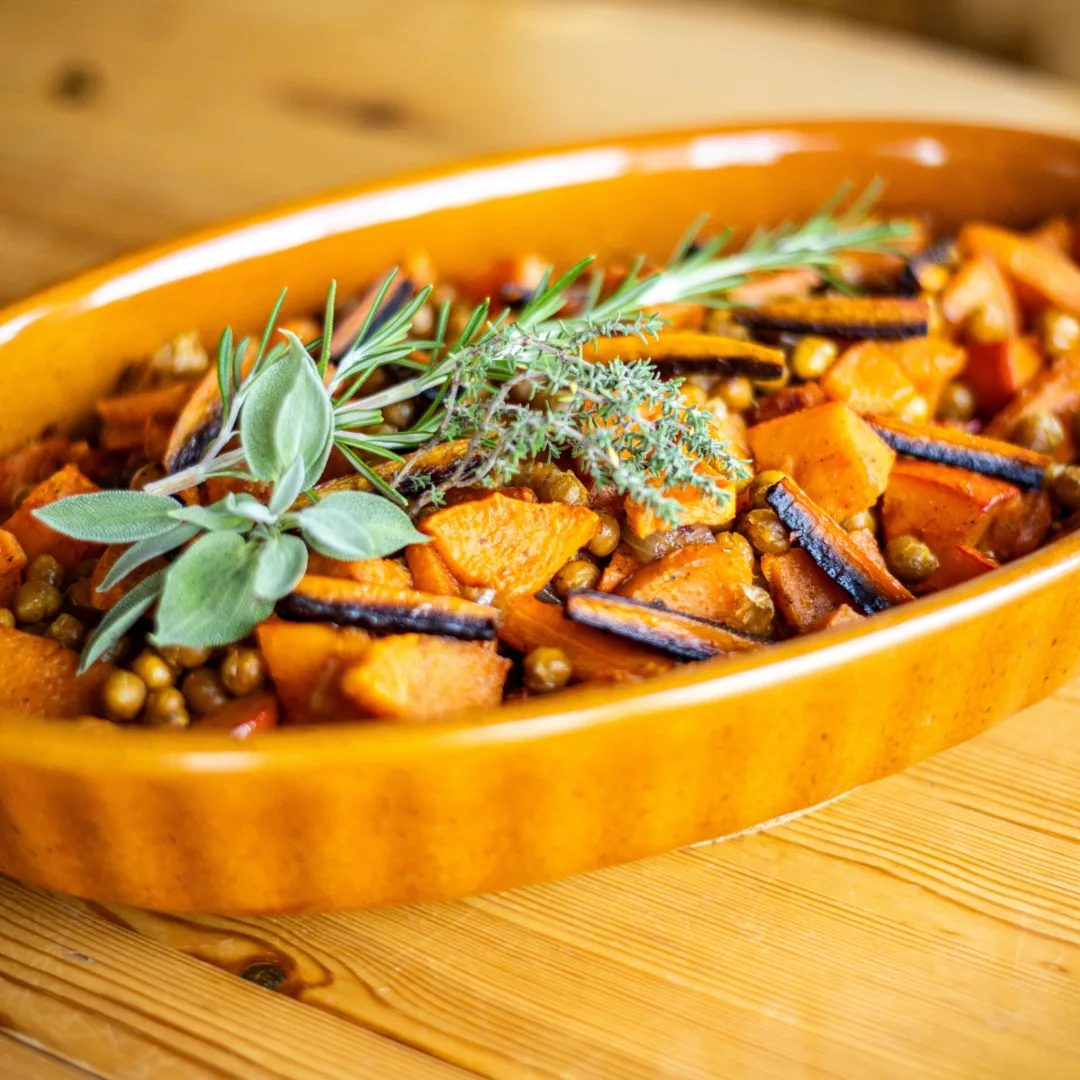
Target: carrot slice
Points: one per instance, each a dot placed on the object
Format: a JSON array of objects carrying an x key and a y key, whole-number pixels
[
  {"x": 508, "y": 544},
  {"x": 429, "y": 570},
  {"x": 242, "y": 717},
  {"x": 860, "y": 317},
  {"x": 36, "y": 537},
  {"x": 842, "y": 558},
  {"x": 803, "y": 593},
  {"x": 418, "y": 677},
  {"x": 976, "y": 453},
  {"x": 38, "y": 676},
  {"x": 12, "y": 561},
  {"x": 685, "y": 637},
  {"x": 997, "y": 371},
  {"x": 713, "y": 352},
  {"x": 528, "y": 623},
  {"x": 834, "y": 456}
]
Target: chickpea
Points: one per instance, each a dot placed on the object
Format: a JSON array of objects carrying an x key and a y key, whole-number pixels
[
  {"x": 562, "y": 486},
  {"x": 203, "y": 691},
  {"x": 761, "y": 484},
  {"x": 382, "y": 429},
  {"x": 185, "y": 656},
  {"x": 910, "y": 559},
  {"x": 166, "y": 708},
  {"x": 145, "y": 474},
  {"x": 813, "y": 356},
  {"x": 723, "y": 322},
  {"x": 1064, "y": 481},
  {"x": 863, "y": 520},
  {"x": 693, "y": 396},
  {"x": 67, "y": 630},
  {"x": 153, "y": 670},
  {"x": 754, "y": 611},
  {"x": 1059, "y": 332},
  {"x": 375, "y": 382},
  {"x": 79, "y": 596},
  {"x": 916, "y": 411},
  {"x": 400, "y": 414},
  {"x": 123, "y": 696},
  {"x": 45, "y": 568},
  {"x": 1042, "y": 432},
  {"x": 576, "y": 574},
  {"x": 243, "y": 671},
  {"x": 7, "y": 618},
  {"x": 986, "y": 325},
  {"x": 36, "y": 601},
  {"x": 84, "y": 569},
  {"x": 546, "y": 669},
  {"x": 932, "y": 277},
  {"x": 957, "y": 402},
  {"x": 116, "y": 652},
  {"x": 718, "y": 407},
  {"x": 765, "y": 531},
  {"x": 737, "y": 393},
  {"x": 606, "y": 539}
]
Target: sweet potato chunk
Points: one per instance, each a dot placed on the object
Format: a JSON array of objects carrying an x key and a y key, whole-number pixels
[
  {"x": 1042, "y": 277},
  {"x": 833, "y": 455},
  {"x": 507, "y": 544},
  {"x": 869, "y": 379},
  {"x": 929, "y": 363},
  {"x": 963, "y": 564},
  {"x": 104, "y": 601},
  {"x": 12, "y": 561},
  {"x": 945, "y": 507},
  {"x": 429, "y": 570},
  {"x": 700, "y": 579},
  {"x": 36, "y": 537},
  {"x": 38, "y": 676},
  {"x": 527, "y": 623},
  {"x": 419, "y": 677},
  {"x": 998, "y": 371},
  {"x": 305, "y": 661},
  {"x": 378, "y": 573},
  {"x": 979, "y": 284},
  {"x": 803, "y": 593}
]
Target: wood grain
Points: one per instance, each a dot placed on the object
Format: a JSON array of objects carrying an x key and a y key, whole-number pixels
[{"x": 925, "y": 927}]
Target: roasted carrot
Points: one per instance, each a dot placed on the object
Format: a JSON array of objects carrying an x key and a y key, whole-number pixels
[
  {"x": 1055, "y": 233},
  {"x": 980, "y": 286},
  {"x": 130, "y": 410},
  {"x": 790, "y": 399},
  {"x": 843, "y": 616},
  {"x": 865, "y": 317},
  {"x": 418, "y": 677},
  {"x": 996, "y": 372},
  {"x": 243, "y": 717},
  {"x": 802, "y": 592},
  {"x": 962, "y": 564},
  {"x": 712, "y": 352},
  {"x": 623, "y": 563},
  {"x": 26, "y": 468},
  {"x": 776, "y": 285}
]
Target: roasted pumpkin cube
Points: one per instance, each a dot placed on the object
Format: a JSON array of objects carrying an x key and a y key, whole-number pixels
[
  {"x": 998, "y": 371},
  {"x": 980, "y": 285},
  {"x": 12, "y": 562},
  {"x": 802, "y": 592},
  {"x": 869, "y": 378},
  {"x": 39, "y": 676}
]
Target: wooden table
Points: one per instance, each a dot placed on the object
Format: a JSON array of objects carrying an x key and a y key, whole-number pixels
[{"x": 927, "y": 926}]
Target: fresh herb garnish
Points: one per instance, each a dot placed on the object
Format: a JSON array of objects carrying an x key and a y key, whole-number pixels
[{"x": 516, "y": 388}]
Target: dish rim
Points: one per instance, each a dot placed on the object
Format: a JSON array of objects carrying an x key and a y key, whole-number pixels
[{"x": 65, "y": 744}]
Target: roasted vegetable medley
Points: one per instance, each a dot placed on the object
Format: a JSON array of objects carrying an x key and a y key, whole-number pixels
[{"x": 437, "y": 496}]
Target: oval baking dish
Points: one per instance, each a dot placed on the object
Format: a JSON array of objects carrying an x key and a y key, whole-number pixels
[{"x": 356, "y": 815}]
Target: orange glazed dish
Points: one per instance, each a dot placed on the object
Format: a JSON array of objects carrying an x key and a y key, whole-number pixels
[{"x": 443, "y": 493}]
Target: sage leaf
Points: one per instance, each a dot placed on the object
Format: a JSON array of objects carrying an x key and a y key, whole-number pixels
[
  {"x": 287, "y": 488},
  {"x": 247, "y": 506},
  {"x": 357, "y": 525},
  {"x": 209, "y": 597},
  {"x": 121, "y": 617},
  {"x": 287, "y": 414},
  {"x": 109, "y": 517},
  {"x": 145, "y": 550},
  {"x": 282, "y": 560},
  {"x": 217, "y": 517}
]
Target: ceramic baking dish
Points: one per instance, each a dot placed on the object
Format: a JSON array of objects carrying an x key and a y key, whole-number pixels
[{"x": 363, "y": 814}]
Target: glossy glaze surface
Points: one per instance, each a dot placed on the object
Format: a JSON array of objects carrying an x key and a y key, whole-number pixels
[{"x": 352, "y": 816}]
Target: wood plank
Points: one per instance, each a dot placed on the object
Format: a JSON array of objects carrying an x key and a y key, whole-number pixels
[
  {"x": 922, "y": 927},
  {"x": 94, "y": 994},
  {"x": 21, "y": 1062}
]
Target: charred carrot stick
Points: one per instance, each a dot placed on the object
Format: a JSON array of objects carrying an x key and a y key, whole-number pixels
[
  {"x": 683, "y": 636},
  {"x": 688, "y": 351},
  {"x": 951, "y": 446},
  {"x": 846, "y": 317},
  {"x": 868, "y": 584}
]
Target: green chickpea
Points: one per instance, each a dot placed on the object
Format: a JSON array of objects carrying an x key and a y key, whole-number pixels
[
  {"x": 546, "y": 669},
  {"x": 737, "y": 393},
  {"x": 916, "y": 411},
  {"x": 562, "y": 486},
  {"x": 813, "y": 356},
  {"x": 185, "y": 656},
  {"x": 145, "y": 474},
  {"x": 754, "y": 611},
  {"x": 761, "y": 484},
  {"x": 123, "y": 696},
  {"x": 1042, "y": 432},
  {"x": 243, "y": 671},
  {"x": 1064, "y": 482},
  {"x": 45, "y": 568},
  {"x": 1059, "y": 332},
  {"x": 768, "y": 534},
  {"x": 606, "y": 539},
  {"x": 153, "y": 670},
  {"x": 67, "y": 630},
  {"x": 36, "y": 601},
  {"x": 909, "y": 559},
  {"x": 957, "y": 402},
  {"x": 863, "y": 520},
  {"x": 7, "y": 618},
  {"x": 576, "y": 574},
  {"x": 400, "y": 414},
  {"x": 932, "y": 277},
  {"x": 985, "y": 325},
  {"x": 382, "y": 429},
  {"x": 203, "y": 691},
  {"x": 166, "y": 708},
  {"x": 693, "y": 395}
]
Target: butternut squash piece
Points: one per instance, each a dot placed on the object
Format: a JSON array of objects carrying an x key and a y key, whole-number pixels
[
  {"x": 623, "y": 563},
  {"x": 712, "y": 352},
  {"x": 696, "y": 508},
  {"x": 979, "y": 284},
  {"x": 305, "y": 662},
  {"x": 377, "y": 573},
  {"x": 418, "y": 677},
  {"x": 242, "y": 717},
  {"x": 1055, "y": 389},
  {"x": 843, "y": 558},
  {"x": 12, "y": 562},
  {"x": 38, "y": 676},
  {"x": 387, "y": 610},
  {"x": 700, "y": 579},
  {"x": 507, "y": 544},
  {"x": 682, "y": 636},
  {"x": 963, "y": 564},
  {"x": 950, "y": 446},
  {"x": 869, "y": 379},
  {"x": 833, "y": 455},
  {"x": 26, "y": 468},
  {"x": 105, "y": 601},
  {"x": 869, "y": 317},
  {"x": 527, "y": 623},
  {"x": 790, "y": 400},
  {"x": 996, "y": 372},
  {"x": 802, "y": 592},
  {"x": 1041, "y": 276},
  {"x": 929, "y": 363},
  {"x": 429, "y": 570},
  {"x": 945, "y": 507},
  {"x": 36, "y": 537}
]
